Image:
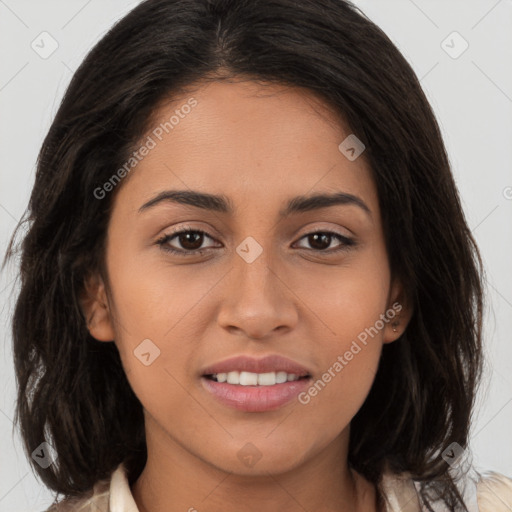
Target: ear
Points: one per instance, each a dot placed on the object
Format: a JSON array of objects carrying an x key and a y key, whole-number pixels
[
  {"x": 94, "y": 303},
  {"x": 398, "y": 312}
]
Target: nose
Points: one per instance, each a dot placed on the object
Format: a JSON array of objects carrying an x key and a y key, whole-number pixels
[{"x": 258, "y": 301}]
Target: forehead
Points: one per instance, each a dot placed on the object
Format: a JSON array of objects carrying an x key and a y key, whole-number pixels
[{"x": 248, "y": 141}]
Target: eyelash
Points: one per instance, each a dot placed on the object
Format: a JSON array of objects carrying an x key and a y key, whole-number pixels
[{"x": 347, "y": 243}]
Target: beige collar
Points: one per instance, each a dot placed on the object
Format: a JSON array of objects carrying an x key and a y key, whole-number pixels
[{"x": 399, "y": 493}]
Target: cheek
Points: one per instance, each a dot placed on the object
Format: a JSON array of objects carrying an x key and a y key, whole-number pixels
[
  {"x": 339, "y": 391},
  {"x": 351, "y": 300},
  {"x": 350, "y": 306},
  {"x": 157, "y": 301},
  {"x": 153, "y": 307}
]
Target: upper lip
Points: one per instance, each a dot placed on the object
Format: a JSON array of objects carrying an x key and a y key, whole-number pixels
[{"x": 269, "y": 363}]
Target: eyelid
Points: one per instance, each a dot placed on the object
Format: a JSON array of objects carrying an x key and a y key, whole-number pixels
[
  {"x": 315, "y": 228},
  {"x": 305, "y": 231}
]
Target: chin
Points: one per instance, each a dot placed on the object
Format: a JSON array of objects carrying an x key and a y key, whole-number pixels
[
  {"x": 258, "y": 459},
  {"x": 262, "y": 468}
]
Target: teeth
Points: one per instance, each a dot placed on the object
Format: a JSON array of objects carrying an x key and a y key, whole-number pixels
[
  {"x": 264, "y": 379},
  {"x": 248, "y": 379},
  {"x": 233, "y": 378},
  {"x": 255, "y": 379},
  {"x": 281, "y": 377}
]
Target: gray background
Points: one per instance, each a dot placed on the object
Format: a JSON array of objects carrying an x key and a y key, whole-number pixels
[{"x": 471, "y": 93}]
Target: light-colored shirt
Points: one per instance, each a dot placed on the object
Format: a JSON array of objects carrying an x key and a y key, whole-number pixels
[{"x": 488, "y": 492}]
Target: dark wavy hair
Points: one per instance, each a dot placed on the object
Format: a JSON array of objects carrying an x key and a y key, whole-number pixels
[{"x": 72, "y": 390}]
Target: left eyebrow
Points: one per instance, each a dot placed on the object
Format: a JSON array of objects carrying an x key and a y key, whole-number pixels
[{"x": 222, "y": 204}]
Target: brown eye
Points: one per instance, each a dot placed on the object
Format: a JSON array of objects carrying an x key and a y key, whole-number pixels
[
  {"x": 320, "y": 241},
  {"x": 189, "y": 241}
]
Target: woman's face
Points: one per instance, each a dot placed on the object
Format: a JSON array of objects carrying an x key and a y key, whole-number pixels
[{"x": 262, "y": 284}]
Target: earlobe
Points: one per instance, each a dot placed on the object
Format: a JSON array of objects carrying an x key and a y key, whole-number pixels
[
  {"x": 94, "y": 304},
  {"x": 398, "y": 314}
]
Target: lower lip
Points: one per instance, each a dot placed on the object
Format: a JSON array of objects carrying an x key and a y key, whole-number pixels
[{"x": 255, "y": 398}]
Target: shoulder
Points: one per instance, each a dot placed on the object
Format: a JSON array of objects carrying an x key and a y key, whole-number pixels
[
  {"x": 111, "y": 494},
  {"x": 483, "y": 492},
  {"x": 494, "y": 492},
  {"x": 94, "y": 500}
]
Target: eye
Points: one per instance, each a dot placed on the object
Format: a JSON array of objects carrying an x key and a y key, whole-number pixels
[
  {"x": 320, "y": 240},
  {"x": 191, "y": 241}
]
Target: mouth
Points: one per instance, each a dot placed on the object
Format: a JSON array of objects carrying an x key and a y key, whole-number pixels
[{"x": 255, "y": 392}]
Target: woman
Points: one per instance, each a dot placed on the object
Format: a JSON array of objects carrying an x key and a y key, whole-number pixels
[{"x": 248, "y": 275}]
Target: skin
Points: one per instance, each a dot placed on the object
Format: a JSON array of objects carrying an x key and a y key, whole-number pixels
[{"x": 259, "y": 147}]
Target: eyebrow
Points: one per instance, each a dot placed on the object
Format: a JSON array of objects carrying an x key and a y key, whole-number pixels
[{"x": 222, "y": 204}]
